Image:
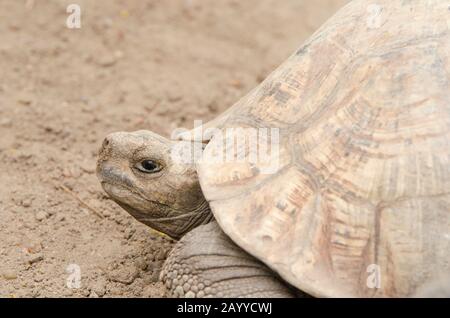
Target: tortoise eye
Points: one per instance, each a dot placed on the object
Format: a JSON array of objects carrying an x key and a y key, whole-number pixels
[{"x": 148, "y": 166}]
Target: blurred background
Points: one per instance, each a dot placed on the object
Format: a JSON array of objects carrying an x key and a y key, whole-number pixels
[{"x": 133, "y": 64}]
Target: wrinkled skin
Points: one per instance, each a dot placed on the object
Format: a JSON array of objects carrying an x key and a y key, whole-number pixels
[{"x": 168, "y": 198}]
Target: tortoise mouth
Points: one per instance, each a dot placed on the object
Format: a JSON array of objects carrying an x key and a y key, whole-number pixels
[
  {"x": 113, "y": 189},
  {"x": 154, "y": 214}
]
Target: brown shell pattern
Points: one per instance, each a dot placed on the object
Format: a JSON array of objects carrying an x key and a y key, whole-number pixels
[{"x": 359, "y": 204}]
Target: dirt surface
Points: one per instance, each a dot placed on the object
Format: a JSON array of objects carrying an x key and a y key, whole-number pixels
[{"x": 133, "y": 65}]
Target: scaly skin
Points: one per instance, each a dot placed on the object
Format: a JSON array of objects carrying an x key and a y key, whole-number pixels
[{"x": 206, "y": 263}]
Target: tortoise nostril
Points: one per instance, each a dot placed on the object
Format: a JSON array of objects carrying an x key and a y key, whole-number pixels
[
  {"x": 106, "y": 142},
  {"x": 106, "y": 145}
]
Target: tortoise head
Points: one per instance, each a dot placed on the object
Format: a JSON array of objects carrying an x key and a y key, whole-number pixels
[{"x": 138, "y": 171}]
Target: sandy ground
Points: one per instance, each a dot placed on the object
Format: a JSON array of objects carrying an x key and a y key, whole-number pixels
[{"x": 133, "y": 65}]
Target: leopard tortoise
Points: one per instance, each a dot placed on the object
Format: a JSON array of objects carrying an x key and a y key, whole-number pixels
[{"x": 352, "y": 196}]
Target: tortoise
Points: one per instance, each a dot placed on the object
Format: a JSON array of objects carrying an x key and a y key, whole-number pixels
[{"x": 354, "y": 202}]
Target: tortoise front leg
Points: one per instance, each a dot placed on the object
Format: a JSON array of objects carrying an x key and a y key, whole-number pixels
[{"x": 206, "y": 263}]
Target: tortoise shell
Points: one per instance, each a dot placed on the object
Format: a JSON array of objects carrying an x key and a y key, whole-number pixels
[{"x": 358, "y": 203}]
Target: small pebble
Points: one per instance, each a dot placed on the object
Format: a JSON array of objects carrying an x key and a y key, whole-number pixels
[
  {"x": 60, "y": 217},
  {"x": 150, "y": 257},
  {"x": 161, "y": 255},
  {"x": 125, "y": 275},
  {"x": 87, "y": 167},
  {"x": 35, "y": 258},
  {"x": 157, "y": 265},
  {"x": 141, "y": 263},
  {"x": 99, "y": 288},
  {"x": 129, "y": 233},
  {"x": 107, "y": 61},
  {"x": 9, "y": 275},
  {"x": 26, "y": 203},
  {"x": 38, "y": 279},
  {"x": 25, "y": 99},
  {"x": 155, "y": 277},
  {"x": 41, "y": 215},
  {"x": 93, "y": 294},
  {"x": 85, "y": 292}
]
